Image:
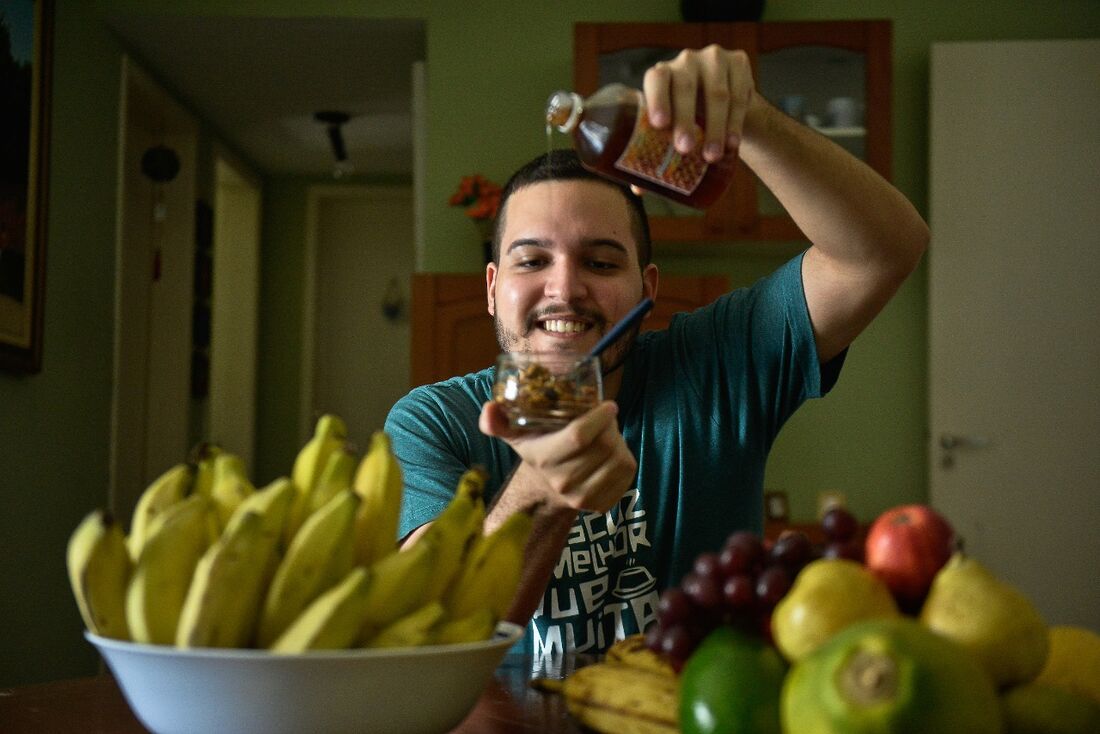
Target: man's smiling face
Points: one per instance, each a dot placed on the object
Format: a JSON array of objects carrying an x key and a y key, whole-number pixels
[{"x": 568, "y": 269}]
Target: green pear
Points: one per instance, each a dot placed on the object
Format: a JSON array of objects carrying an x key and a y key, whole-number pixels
[
  {"x": 990, "y": 618},
  {"x": 828, "y": 595}
]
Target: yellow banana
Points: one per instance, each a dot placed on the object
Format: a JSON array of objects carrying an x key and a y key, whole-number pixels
[
  {"x": 456, "y": 527},
  {"x": 202, "y": 455},
  {"x": 164, "y": 491},
  {"x": 99, "y": 568},
  {"x": 272, "y": 503},
  {"x": 491, "y": 573},
  {"x": 329, "y": 434},
  {"x": 634, "y": 652},
  {"x": 398, "y": 587},
  {"x": 223, "y": 602},
  {"x": 332, "y": 621},
  {"x": 336, "y": 477},
  {"x": 476, "y": 626},
  {"x": 412, "y": 630},
  {"x": 378, "y": 482},
  {"x": 178, "y": 538},
  {"x": 230, "y": 486},
  {"x": 621, "y": 699},
  {"x": 321, "y": 554}
]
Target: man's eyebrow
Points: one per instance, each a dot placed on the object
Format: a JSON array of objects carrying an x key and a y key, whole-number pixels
[{"x": 547, "y": 244}]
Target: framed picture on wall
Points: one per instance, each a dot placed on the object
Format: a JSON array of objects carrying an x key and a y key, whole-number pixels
[{"x": 26, "y": 33}]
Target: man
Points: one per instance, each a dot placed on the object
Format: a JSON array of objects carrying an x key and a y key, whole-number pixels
[{"x": 626, "y": 495}]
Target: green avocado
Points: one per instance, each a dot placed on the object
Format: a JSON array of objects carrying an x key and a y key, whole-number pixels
[
  {"x": 890, "y": 675},
  {"x": 731, "y": 685}
]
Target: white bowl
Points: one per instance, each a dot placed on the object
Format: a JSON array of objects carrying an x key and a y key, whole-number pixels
[{"x": 419, "y": 690}]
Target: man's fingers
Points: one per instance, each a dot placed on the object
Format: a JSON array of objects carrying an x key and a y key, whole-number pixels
[
  {"x": 716, "y": 79},
  {"x": 655, "y": 87},
  {"x": 494, "y": 422}
]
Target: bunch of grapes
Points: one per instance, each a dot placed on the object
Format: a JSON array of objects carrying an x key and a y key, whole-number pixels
[{"x": 740, "y": 585}]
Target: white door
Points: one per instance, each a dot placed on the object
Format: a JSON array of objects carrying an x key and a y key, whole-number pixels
[
  {"x": 231, "y": 405},
  {"x": 1014, "y": 277},
  {"x": 360, "y": 252},
  {"x": 153, "y": 291}
]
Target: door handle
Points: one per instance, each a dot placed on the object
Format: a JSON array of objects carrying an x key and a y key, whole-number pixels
[{"x": 949, "y": 442}]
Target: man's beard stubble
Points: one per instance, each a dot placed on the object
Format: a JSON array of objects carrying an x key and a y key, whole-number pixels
[{"x": 612, "y": 358}]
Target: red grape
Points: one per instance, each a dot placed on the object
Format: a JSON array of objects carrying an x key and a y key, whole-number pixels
[
  {"x": 793, "y": 550},
  {"x": 851, "y": 549},
  {"x": 739, "y": 592},
  {"x": 707, "y": 566},
  {"x": 839, "y": 524},
  {"x": 677, "y": 644},
  {"x": 702, "y": 591},
  {"x": 772, "y": 584},
  {"x": 674, "y": 607}
]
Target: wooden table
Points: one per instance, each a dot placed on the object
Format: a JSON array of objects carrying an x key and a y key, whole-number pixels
[{"x": 96, "y": 705}]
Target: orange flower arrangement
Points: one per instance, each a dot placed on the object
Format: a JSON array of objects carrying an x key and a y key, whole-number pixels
[{"x": 479, "y": 195}]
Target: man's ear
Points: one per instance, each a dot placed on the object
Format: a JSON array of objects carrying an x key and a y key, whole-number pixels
[
  {"x": 650, "y": 276},
  {"x": 491, "y": 288}
]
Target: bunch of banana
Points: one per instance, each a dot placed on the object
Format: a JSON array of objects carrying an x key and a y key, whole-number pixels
[
  {"x": 99, "y": 571},
  {"x": 230, "y": 485},
  {"x": 632, "y": 691},
  {"x": 178, "y": 538},
  {"x": 378, "y": 482},
  {"x": 329, "y": 435},
  {"x": 320, "y": 555},
  {"x": 164, "y": 491},
  {"x": 230, "y": 580},
  {"x": 211, "y": 561}
]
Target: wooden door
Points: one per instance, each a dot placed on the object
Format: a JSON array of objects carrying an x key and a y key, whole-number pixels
[
  {"x": 1013, "y": 313},
  {"x": 452, "y": 331}
]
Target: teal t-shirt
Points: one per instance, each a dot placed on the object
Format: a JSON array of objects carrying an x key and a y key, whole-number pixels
[{"x": 700, "y": 405}]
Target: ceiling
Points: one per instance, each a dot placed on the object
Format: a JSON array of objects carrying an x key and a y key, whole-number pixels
[{"x": 257, "y": 82}]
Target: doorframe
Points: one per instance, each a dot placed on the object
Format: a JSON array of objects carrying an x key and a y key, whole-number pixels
[{"x": 134, "y": 458}]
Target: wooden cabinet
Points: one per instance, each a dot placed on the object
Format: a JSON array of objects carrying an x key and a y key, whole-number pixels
[
  {"x": 452, "y": 332},
  {"x": 802, "y": 67}
]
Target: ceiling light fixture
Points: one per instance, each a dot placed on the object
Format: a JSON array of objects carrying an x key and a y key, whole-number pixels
[{"x": 335, "y": 120}]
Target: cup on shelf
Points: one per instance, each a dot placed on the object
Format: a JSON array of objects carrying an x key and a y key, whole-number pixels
[
  {"x": 793, "y": 105},
  {"x": 843, "y": 112}
]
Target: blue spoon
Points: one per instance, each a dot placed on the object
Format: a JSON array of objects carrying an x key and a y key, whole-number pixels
[{"x": 628, "y": 322}]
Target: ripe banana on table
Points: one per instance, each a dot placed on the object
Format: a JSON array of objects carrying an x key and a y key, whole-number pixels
[
  {"x": 320, "y": 555},
  {"x": 398, "y": 586},
  {"x": 476, "y": 626},
  {"x": 412, "y": 630},
  {"x": 223, "y": 602},
  {"x": 491, "y": 572},
  {"x": 272, "y": 502},
  {"x": 164, "y": 491},
  {"x": 177, "y": 539},
  {"x": 616, "y": 698},
  {"x": 378, "y": 481},
  {"x": 329, "y": 435},
  {"x": 202, "y": 456},
  {"x": 634, "y": 652},
  {"x": 337, "y": 476},
  {"x": 333, "y": 620},
  {"x": 230, "y": 486},
  {"x": 456, "y": 527},
  {"x": 99, "y": 568}
]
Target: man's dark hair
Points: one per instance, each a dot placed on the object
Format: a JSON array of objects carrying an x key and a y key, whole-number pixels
[{"x": 562, "y": 164}]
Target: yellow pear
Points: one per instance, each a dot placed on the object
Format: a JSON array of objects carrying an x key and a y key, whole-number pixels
[
  {"x": 1074, "y": 661},
  {"x": 828, "y": 595},
  {"x": 989, "y": 617}
]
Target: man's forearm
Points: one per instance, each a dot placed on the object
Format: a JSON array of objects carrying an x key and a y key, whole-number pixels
[
  {"x": 842, "y": 205},
  {"x": 552, "y": 524}
]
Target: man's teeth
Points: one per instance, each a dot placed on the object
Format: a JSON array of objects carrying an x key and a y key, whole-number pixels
[{"x": 564, "y": 327}]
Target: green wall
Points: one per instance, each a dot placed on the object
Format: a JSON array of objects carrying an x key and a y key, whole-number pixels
[{"x": 491, "y": 65}]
